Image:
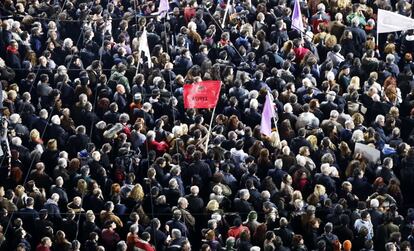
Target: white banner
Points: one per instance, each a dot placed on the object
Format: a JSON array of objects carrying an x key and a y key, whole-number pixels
[{"x": 388, "y": 21}]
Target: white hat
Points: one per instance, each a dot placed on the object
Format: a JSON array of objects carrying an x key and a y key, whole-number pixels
[{"x": 55, "y": 120}]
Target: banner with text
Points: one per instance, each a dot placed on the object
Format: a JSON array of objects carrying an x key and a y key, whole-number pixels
[{"x": 203, "y": 94}]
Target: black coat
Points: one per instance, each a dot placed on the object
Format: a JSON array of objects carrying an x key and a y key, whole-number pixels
[
  {"x": 13, "y": 60},
  {"x": 242, "y": 207},
  {"x": 327, "y": 107},
  {"x": 40, "y": 125},
  {"x": 252, "y": 118},
  {"x": 57, "y": 132},
  {"x": 76, "y": 143},
  {"x": 298, "y": 142},
  {"x": 344, "y": 233},
  {"x": 195, "y": 204},
  {"x": 359, "y": 38}
]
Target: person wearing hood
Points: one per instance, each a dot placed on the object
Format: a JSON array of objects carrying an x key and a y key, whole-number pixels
[{"x": 118, "y": 78}]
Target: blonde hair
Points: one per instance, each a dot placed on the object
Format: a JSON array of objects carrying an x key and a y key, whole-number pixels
[
  {"x": 330, "y": 40},
  {"x": 34, "y": 134},
  {"x": 370, "y": 45},
  {"x": 394, "y": 111},
  {"x": 82, "y": 186},
  {"x": 12, "y": 94},
  {"x": 90, "y": 216},
  {"x": 275, "y": 140},
  {"x": 355, "y": 82},
  {"x": 313, "y": 140},
  {"x": 137, "y": 193},
  {"x": 319, "y": 190},
  {"x": 212, "y": 205},
  {"x": 19, "y": 190},
  {"x": 297, "y": 195},
  {"x": 52, "y": 144},
  {"x": 358, "y": 118},
  {"x": 344, "y": 4},
  {"x": 389, "y": 49}
]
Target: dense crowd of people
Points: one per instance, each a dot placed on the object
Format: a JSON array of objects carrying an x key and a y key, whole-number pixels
[{"x": 98, "y": 152}]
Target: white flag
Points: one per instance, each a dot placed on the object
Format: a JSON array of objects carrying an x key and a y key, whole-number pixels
[
  {"x": 390, "y": 21},
  {"x": 143, "y": 47}
]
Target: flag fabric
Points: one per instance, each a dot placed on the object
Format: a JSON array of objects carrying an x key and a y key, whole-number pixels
[
  {"x": 203, "y": 94},
  {"x": 143, "y": 47},
  {"x": 297, "y": 22},
  {"x": 267, "y": 115},
  {"x": 388, "y": 21},
  {"x": 163, "y": 8}
]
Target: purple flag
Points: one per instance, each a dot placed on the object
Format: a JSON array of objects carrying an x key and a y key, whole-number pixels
[
  {"x": 163, "y": 8},
  {"x": 297, "y": 22},
  {"x": 267, "y": 115}
]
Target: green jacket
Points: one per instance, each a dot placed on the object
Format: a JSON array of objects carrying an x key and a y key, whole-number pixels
[{"x": 119, "y": 78}]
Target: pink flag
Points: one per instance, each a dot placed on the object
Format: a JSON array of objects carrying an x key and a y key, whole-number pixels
[
  {"x": 267, "y": 115},
  {"x": 163, "y": 8},
  {"x": 297, "y": 22}
]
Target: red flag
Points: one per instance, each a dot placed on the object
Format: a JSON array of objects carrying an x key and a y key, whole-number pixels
[{"x": 202, "y": 94}]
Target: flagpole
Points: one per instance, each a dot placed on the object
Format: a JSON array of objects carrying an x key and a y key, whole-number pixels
[
  {"x": 225, "y": 13},
  {"x": 209, "y": 128}
]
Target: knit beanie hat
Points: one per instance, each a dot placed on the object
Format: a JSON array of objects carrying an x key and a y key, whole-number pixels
[{"x": 347, "y": 245}]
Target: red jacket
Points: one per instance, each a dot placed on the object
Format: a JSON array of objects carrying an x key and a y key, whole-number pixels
[
  {"x": 144, "y": 245},
  {"x": 300, "y": 53},
  {"x": 40, "y": 247},
  {"x": 236, "y": 231},
  {"x": 159, "y": 147}
]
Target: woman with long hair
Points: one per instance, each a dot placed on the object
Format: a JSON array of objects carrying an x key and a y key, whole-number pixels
[
  {"x": 50, "y": 156},
  {"x": 395, "y": 191},
  {"x": 81, "y": 188},
  {"x": 286, "y": 131},
  {"x": 298, "y": 244},
  {"x": 255, "y": 149},
  {"x": 391, "y": 92},
  {"x": 343, "y": 156},
  {"x": 263, "y": 163},
  {"x": 318, "y": 195},
  {"x": 61, "y": 243}
]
